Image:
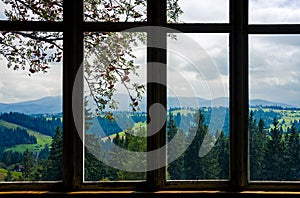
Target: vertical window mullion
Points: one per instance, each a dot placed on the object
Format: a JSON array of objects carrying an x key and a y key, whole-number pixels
[
  {"x": 72, "y": 60},
  {"x": 239, "y": 94},
  {"x": 156, "y": 92}
]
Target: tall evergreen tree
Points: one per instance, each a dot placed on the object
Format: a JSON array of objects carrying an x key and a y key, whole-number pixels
[
  {"x": 222, "y": 147},
  {"x": 8, "y": 176},
  {"x": 206, "y": 167},
  {"x": 175, "y": 168},
  {"x": 274, "y": 162},
  {"x": 55, "y": 163},
  {"x": 257, "y": 148},
  {"x": 94, "y": 169},
  {"x": 135, "y": 143},
  {"x": 210, "y": 162},
  {"x": 29, "y": 165},
  {"x": 293, "y": 153},
  {"x": 192, "y": 162}
]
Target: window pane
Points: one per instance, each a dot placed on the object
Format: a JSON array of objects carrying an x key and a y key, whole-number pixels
[
  {"x": 274, "y": 107},
  {"x": 198, "y": 108},
  {"x": 280, "y": 11},
  {"x": 115, "y": 106},
  {"x": 198, "y": 11},
  {"x": 30, "y": 107},
  {"x": 32, "y": 10},
  {"x": 115, "y": 11}
]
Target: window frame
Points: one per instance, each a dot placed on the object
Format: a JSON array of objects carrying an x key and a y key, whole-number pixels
[{"x": 238, "y": 29}]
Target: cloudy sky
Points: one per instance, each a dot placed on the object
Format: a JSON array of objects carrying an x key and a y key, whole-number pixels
[{"x": 274, "y": 60}]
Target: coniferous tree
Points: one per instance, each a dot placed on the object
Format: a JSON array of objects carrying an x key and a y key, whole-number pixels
[
  {"x": 8, "y": 176},
  {"x": 293, "y": 153},
  {"x": 274, "y": 162},
  {"x": 206, "y": 167},
  {"x": 257, "y": 148},
  {"x": 192, "y": 162},
  {"x": 132, "y": 142},
  {"x": 222, "y": 147},
  {"x": 94, "y": 169},
  {"x": 29, "y": 165},
  {"x": 55, "y": 163},
  {"x": 210, "y": 162},
  {"x": 175, "y": 168}
]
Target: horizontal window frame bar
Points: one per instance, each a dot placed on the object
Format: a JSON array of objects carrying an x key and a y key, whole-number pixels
[
  {"x": 35, "y": 26},
  {"x": 111, "y": 27},
  {"x": 49, "y": 26},
  {"x": 197, "y": 184},
  {"x": 163, "y": 194},
  {"x": 274, "y": 29},
  {"x": 32, "y": 186},
  {"x": 201, "y": 28},
  {"x": 274, "y": 185},
  {"x": 186, "y": 28},
  {"x": 114, "y": 185}
]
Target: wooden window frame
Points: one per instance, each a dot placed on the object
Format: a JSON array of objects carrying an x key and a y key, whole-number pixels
[{"x": 73, "y": 26}]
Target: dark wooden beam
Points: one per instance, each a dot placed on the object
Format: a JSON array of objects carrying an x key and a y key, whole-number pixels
[
  {"x": 239, "y": 95},
  {"x": 72, "y": 60}
]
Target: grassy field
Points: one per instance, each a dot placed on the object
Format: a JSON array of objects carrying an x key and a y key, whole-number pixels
[
  {"x": 287, "y": 117},
  {"x": 15, "y": 175},
  {"x": 42, "y": 140},
  {"x": 136, "y": 127}
]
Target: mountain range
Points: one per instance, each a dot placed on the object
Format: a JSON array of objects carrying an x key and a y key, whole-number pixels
[{"x": 53, "y": 104}]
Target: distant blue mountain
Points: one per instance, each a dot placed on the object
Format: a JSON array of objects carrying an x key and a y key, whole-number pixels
[
  {"x": 51, "y": 104},
  {"x": 264, "y": 103}
]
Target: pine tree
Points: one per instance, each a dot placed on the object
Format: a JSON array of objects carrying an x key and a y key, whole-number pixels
[
  {"x": 257, "y": 148},
  {"x": 94, "y": 169},
  {"x": 206, "y": 167},
  {"x": 274, "y": 162},
  {"x": 293, "y": 153},
  {"x": 28, "y": 173},
  {"x": 222, "y": 147},
  {"x": 55, "y": 163},
  {"x": 135, "y": 143},
  {"x": 8, "y": 176},
  {"x": 210, "y": 162},
  {"x": 175, "y": 168}
]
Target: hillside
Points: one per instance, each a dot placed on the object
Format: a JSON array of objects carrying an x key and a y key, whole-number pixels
[
  {"x": 45, "y": 124},
  {"x": 42, "y": 140}
]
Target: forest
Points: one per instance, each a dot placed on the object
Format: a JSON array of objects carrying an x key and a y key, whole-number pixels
[
  {"x": 39, "y": 123},
  {"x": 274, "y": 146}
]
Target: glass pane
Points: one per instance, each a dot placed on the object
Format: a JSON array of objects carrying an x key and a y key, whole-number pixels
[
  {"x": 115, "y": 10},
  {"x": 31, "y": 10},
  {"x": 30, "y": 107},
  {"x": 279, "y": 11},
  {"x": 115, "y": 106},
  {"x": 274, "y": 107},
  {"x": 198, "y": 108},
  {"x": 198, "y": 11}
]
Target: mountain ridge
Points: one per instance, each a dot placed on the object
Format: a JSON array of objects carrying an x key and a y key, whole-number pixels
[
  {"x": 49, "y": 104},
  {"x": 53, "y": 104}
]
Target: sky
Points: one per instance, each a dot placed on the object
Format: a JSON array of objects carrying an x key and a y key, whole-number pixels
[{"x": 274, "y": 60}]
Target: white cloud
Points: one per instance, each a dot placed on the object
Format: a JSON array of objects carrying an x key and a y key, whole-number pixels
[
  {"x": 275, "y": 11},
  {"x": 16, "y": 86},
  {"x": 198, "y": 11},
  {"x": 198, "y": 65},
  {"x": 274, "y": 68}
]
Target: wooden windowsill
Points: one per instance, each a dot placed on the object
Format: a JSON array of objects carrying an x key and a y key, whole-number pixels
[{"x": 167, "y": 194}]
